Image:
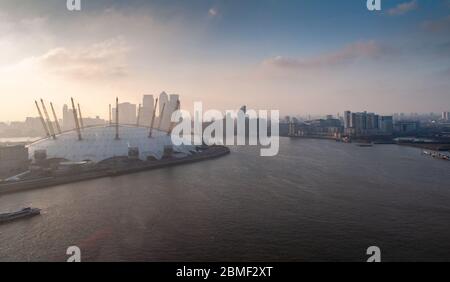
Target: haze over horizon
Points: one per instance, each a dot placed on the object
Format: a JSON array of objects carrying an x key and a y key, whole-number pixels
[{"x": 301, "y": 57}]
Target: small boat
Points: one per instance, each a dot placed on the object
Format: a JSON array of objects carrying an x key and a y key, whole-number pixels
[
  {"x": 443, "y": 157},
  {"x": 364, "y": 145},
  {"x": 437, "y": 155},
  {"x": 346, "y": 140},
  {"x": 26, "y": 212}
]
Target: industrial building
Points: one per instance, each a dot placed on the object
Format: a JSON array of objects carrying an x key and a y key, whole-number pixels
[
  {"x": 13, "y": 160},
  {"x": 329, "y": 128}
]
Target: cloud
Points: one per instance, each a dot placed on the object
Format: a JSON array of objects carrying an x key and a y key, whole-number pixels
[
  {"x": 22, "y": 35},
  {"x": 437, "y": 25},
  {"x": 403, "y": 8},
  {"x": 101, "y": 60},
  {"x": 348, "y": 54},
  {"x": 212, "y": 12}
]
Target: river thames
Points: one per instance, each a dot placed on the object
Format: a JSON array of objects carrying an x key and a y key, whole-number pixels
[{"x": 317, "y": 200}]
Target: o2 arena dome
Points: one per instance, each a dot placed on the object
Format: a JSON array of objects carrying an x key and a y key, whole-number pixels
[{"x": 99, "y": 143}]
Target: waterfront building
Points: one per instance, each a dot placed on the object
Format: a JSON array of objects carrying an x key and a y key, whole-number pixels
[
  {"x": 32, "y": 123},
  {"x": 68, "y": 120},
  {"x": 93, "y": 121},
  {"x": 127, "y": 113},
  {"x": 31, "y": 127},
  {"x": 406, "y": 126},
  {"x": 146, "y": 113},
  {"x": 445, "y": 116},
  {"x": 367, "y": 124},
  {"x": 13, "y": 160},
  {"x": 170, "y": 107},
  {"x": 3, "y": 127},
  {"x": 163, "y": 100},
  {"x": 329, "y": 128},
  {"x": 347, "y": 119},
  {"x": 386, "y": 124},
  {"x": 372, "y": 121}
]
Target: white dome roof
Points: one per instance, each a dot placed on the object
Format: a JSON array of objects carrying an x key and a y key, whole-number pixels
[{"x": 99, "y": 144}]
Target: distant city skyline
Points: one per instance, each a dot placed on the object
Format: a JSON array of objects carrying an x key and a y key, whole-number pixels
[
  {"x": 299, "y": 57},
  {"x": 65, "y": 113}
]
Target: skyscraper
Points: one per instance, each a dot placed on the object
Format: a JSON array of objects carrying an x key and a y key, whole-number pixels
[
  {"x": 171, "y": 105},
  {"x": 68, "y": 120},
  {"x": 146, "y": 113},
  {"x": 387, "y": 124},
  {"x": 163, "y": 100},
  {"x": 367, "y": 124},
  {"x": 148, "y": 101},
  {"x": 127, "y": 113},
  {"x": 347, "y": 119},
  {"x": 169, "y": 108},
  {"x": 371, "y": 122}
]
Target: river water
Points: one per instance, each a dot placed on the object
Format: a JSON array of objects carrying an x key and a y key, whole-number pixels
[{"x": 317, "y": 200}]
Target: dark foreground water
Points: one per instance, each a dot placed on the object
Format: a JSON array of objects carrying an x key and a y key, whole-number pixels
[{"x": 317, "y": 200}]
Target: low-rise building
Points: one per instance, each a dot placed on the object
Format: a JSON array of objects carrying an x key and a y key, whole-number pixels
[
  {"x": 13, "y": 160},
  {"x": 406, "y": 126}
]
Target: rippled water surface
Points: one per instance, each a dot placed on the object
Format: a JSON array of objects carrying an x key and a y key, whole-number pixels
[{"x": 317, "y": 200}]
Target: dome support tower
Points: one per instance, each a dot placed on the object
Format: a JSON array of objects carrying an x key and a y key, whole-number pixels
[
  {"x": 161, "y": 116},
  {"x": 56, "y": 118},
  {"x": 117, "y": 118},
  {"x": 153, "y": 119},
  {"x": 81, "y": 117},
  {"x": 42, "y": 119},
  {"x": 138, "y": 115},
  {"x": 49, "y": 122},
  {"x": 77, "y": 125}
]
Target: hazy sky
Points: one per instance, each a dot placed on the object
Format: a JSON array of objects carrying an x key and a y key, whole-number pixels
[{"x": 301, "y": 57}]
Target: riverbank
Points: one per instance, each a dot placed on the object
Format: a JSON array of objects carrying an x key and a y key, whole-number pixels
[
  {"x": 320, "y": 188},
  {"x": 209, "y": 153},
  {"x": 386, "y": 141},
  {"x": 428, "y": 146}
]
